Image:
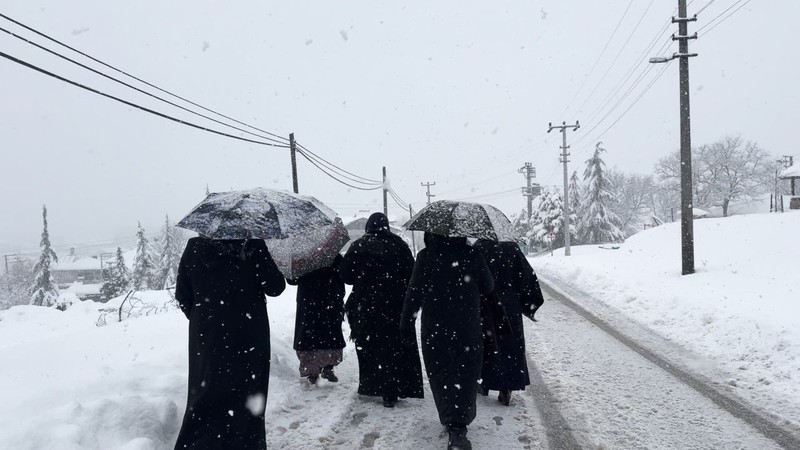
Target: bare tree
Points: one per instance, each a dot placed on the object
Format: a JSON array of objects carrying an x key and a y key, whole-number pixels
[
  {"x": 724, "y": 171},
  {"x": 633, "y": 199}
]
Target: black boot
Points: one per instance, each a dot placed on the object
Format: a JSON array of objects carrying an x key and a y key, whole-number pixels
[
  {"x": 504, "y": 397},
  {"x": 312, "y": 379},
  {"x": 327, "y": 373},
  {"x": 389, "y": 402},
  {"x": 458, "y": 438}
]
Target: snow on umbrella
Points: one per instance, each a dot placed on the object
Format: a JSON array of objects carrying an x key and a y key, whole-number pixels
[
  {"x": 464, "y": 219},
  {"x": 301, "y": 232}
]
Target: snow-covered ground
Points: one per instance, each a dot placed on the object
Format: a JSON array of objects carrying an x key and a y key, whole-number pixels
[
  {"x": 67, "y": 383},
  {"x": 740, "y": 311}
]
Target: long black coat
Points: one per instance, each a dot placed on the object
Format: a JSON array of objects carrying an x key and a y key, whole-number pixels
[
  {"x": 320, "y": 309},
  {"x": 449, "y": 278},
  {"x": 379, "y": 265},
  {"x": 518, "y": 288},
  {"x": 222, "y": 295}
]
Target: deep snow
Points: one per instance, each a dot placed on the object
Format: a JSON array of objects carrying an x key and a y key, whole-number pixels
[{"x": 67, "y": 383}]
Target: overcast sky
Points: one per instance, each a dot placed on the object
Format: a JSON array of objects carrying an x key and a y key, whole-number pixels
[{"x": 455, "y": 92}]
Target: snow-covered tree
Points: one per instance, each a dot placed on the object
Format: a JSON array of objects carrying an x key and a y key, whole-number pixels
[
  {"x": 633, "y": 200},
  {"x": 16, "y": 284},
  {"x": 169, "y": 256},
  {"x": 117, "y": 278},
  {"x": 599, "y": 224},
  {"x": 724, "y": 171},
  {"x": 143, "y": 267},
  {"x": 550, "y": 218},
  {"x": 575, "y": 205},
  {"x": 45, "y": 289}
]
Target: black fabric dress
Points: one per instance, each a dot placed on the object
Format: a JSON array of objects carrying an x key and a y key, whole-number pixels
[
  {"x": 320, "y": 309},
  {"x": 378, "y": 265},
  {"x": 518, "y": 288},
  {"x": 448, "y": 281},
  {"x": 220, "y": 288}
]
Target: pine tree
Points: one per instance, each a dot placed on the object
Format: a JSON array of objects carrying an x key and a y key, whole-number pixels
[
  {"x": 169, "y": 257},
  {"x": 143, "y": 267},
  {"x": 599, "y": 224},
  {"x": 117, "y": 278},
  {"x": 575, "y": 206},
  {"x": 45, "y": 289},
  {"x": 551, "y": 219}
]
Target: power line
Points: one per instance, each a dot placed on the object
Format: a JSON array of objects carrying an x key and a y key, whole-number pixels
[
  {"x": 726, "y": 17},
  {"x": 136, "y": 78},
  {"x": 504, "y": 174},
  {"x": 704, "y": 7},
  {"x": 134, "y": 105},
  {"x": 720, "y": 15},
  {"x": 135, "y": 88},
  {"x": 334, "y": 168},
  {"x": 323, "y": 170},
  {"x": 599, "y": 57},
  {"x": 641, "y": 19},
  {"x": 492, "y": 194}
]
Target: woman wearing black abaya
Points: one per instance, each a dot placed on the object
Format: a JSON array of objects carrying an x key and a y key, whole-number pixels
[
  {"x": 448, "y": 281},
  {"x": 220, "y": 288},
  {"x": 518, "y": 289},
  {"x": 378, "y": 265},
  {"x": 318, "y": 338}
]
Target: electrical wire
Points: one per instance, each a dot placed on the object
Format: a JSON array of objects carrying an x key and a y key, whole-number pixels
[
  {"x": 719, "y": 15},
  {"x": 599, "y": 57},
  {"x": 630, "y": 36},
  {"x": 31, "y": 29},
  {"x": 504, "y": 174},
  {"x": 134, "y": 105},
  {"x": 267, "y": 138},
  {"x": 323, "y": 170},
  {"x": 724, "y": 19},
  {"x": 492, "y": 194},
  {"x": 334, "y": 168},
  {"x": 704, "y": 7}
]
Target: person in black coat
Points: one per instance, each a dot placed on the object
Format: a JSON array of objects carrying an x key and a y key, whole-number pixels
[
  {"x": 379, "y": 265},
  {"x": 220, "y": 288},
  {"x": 517, "y": 287},
  {"x": 318, "y": 338},
  {"x": 448, "y": 281}
]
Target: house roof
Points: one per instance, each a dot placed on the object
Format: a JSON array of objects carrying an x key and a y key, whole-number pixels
[
  {"x": 77, "y": 263},
  {"x": 791, "y": 172}
]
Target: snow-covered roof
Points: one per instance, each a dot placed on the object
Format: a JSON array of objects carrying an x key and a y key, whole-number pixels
[
  {"x": 791, "y": 172},
  {"x": 79, "y": 288},
  {"x": 77, "y": 263}
]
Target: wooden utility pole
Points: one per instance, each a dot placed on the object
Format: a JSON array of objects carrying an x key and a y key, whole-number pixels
[
  {"x": 293, "y": 151},
  {"x": 564, "y": 155},
  {"x": 428, "y": 185},
  {"x": 687, "y": 213},
  {"x": 385, "y": 202}
]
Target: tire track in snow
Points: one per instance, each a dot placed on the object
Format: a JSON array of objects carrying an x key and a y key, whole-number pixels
[{"x": 733, "y": 406}]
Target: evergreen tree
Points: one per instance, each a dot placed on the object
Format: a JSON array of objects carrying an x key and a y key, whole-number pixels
[
  {"x": 143, "y": 267},
  {"x": 117, "y": 278},
  {"x": 599, "y": 224},
  {"x": 169, "y": 257},
  {"x": 45, "y": 289},
  {"x": 575, "y": 206},
  {"x": 551, "y": 219}
]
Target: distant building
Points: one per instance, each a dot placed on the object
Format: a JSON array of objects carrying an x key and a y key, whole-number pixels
[{"x": 72, "y": 268}]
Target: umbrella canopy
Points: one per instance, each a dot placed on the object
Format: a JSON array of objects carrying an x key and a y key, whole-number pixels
[
  {"x": 464, "y": 219},
  {"x": 302, "y": 233}
]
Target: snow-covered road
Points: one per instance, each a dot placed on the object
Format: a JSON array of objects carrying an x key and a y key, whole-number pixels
[{"x": 610, "y": 396}]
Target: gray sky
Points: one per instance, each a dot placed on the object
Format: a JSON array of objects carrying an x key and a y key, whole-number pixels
[{"x": 454, "y": 92}]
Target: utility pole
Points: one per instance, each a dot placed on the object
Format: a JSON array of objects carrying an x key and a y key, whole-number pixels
[
  {"x": 683, "y": 55},
  {"x": 385, "y": 203},
  {"x": 293, "y": 151},
  {"x": 564, "y": 155},
  {"x": 428, "y": 185},
  {"x": 530, "y": 173},
  {"x": 413, "y": 238}
]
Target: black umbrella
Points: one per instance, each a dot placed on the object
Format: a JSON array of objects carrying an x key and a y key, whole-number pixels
[
  {"x": 301, "y": 232},
  {"x": 464, "y": 219}
]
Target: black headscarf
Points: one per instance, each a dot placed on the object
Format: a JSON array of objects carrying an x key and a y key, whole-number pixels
[{"x": 377, "y": 223}]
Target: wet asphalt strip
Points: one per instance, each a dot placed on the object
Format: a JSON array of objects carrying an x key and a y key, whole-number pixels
[{"x": 558, "y": 431}]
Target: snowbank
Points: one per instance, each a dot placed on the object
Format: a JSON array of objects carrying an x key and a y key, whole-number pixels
[{"x": 740, "y": 309}]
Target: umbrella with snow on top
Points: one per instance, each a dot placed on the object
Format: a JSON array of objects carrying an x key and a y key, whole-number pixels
[
  {"x": 463, "y": 219},
  {"x": 302, "y": 233}
]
